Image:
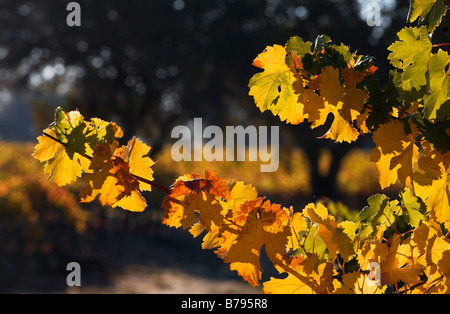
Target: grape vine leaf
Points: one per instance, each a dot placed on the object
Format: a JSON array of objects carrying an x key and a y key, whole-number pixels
[
  {"x": 438, "y": 248},
  {"x": 101, "y": 132},
  {"x": 414, "y": 207},
  {"x": 297, "y": 282},
  {"x": 102, "y": 180},
  {"x": 345, "y": 103},
  {"x": 272, "y": 89},
  {"x": 414, "y": 47},
  {"x": 428, "y": 12},
  {"x": 395, "y": 153},
  {"x": 59, "y": 166},
  {"x": 192, "y": 194},
  {"x": 378, "y": 205},
  {"x": 300, "y": 281},
  {"x": 136, "y": 155},
  {"x": 298, "y": 225},
  {"x": 358, "y": 283},
  {"x": 432, "y": 186},
  {"x": 295, "y": 43},
  {"x": 240, "y": 193},
  {"x": 69, "y": 129},
  {"x": 437, "y": 100},
  {"x": 110, "y": 177},
  {"x": 396, "y": 259},
  {"x": 298, "y": 84},
  {"x": 261, "y": 224},
  {"x": 331, "y": 233},
  {"x": 68, "y": 143}
]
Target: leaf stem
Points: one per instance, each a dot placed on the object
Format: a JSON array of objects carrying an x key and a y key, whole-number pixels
[
  {"x": 440, "y": 45},
  {"x": 152, "y": 183},
  {"x": 340, "y": 266},
  {"x": 54, "y": 138}
]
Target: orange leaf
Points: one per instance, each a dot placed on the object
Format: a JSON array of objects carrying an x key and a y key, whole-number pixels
[
  {"x": 193, "y": 194},
  {"x": 112, "y": 181},
  {"x": 261, "y": 224}
]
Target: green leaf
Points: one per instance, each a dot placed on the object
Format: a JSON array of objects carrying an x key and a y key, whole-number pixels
[
  {"x": 341, "y": 212},
  {"x": 321, "y": 42},
  {"x": 365, "y": 231},
  {"x": 314, "y": 244},
  {"x": 338, "y": 56},
  {"x": 295, "y": 43},
  {"x": 350, "y": 228},
  {"x": 414, "y": 47},
  {"x": 428, "y": 12},
  {"x": 380, "y": 210},
  {"x": 69, "y": 129},
  {"x": 60, "y": 125},
  {"x": 414, "y": 77},
  {"x": 414, "y": 206},
  {"x": 376, "y": 203},
  {"x": 101, "y": 132},
  {"x": 438, "y": 96},
  {"x": 76, "y": 141}
]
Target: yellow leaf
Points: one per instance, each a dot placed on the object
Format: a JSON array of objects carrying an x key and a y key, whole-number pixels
[
  {"x": 420, "y": 236},
  {"x": 61, "y": 169},
  {"x": 135, "y": 153},
  {"x": 444, "y": 263},
  {"x": 297, "y": 281},
  {"x": 134, "y": 202},
  {"x": 110, "y": 179},
  {"x": 334, "y": 236},
  {"x": 240, "y": 193},
  {"x": 46, "y": 148},
  {"x": 345, "y": 103},
  {"x": 290, "y": 285},
  {"x": 358, "y": 283},
  {"x": 210, "y": 240},
  {"x": 440, "y": 246},
  {"x": 395, "y": 153},
  {"x": 431, "y": 185},
  {"x": 342, "y": 130},
  {"x": 297, "y": 224},
  {"x": 272, "y": 89},
  {"x": 313, "y": 105},
  {"x": 395, "y": 265}
]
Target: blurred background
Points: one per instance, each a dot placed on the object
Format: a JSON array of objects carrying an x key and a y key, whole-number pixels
[{"x": 149, "y": 66}]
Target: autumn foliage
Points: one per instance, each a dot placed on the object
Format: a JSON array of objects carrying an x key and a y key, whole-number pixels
[{"x": 409, "y": 120}]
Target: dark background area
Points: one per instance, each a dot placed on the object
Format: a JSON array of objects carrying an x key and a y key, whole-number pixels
[{"x": 152, "y": 65}]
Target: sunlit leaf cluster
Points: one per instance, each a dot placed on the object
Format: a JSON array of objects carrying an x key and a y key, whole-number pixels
[{"x": 313, "y": 250}]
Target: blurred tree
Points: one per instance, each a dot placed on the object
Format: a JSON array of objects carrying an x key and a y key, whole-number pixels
[{"x": 150, "y": 65}]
